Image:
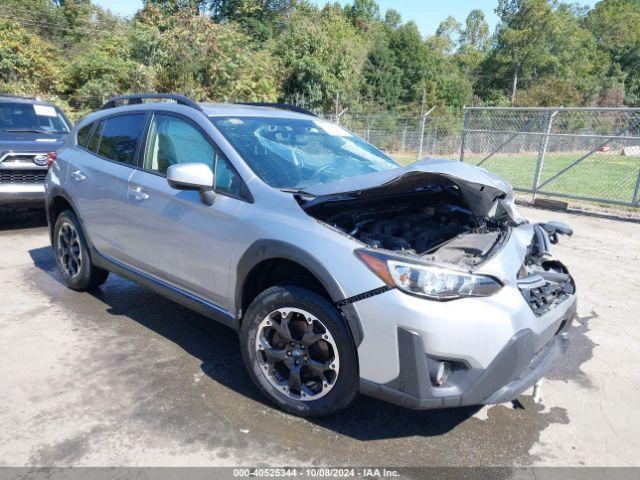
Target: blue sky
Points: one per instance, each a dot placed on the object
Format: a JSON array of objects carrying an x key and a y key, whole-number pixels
[{"x": 426, "y": 13}]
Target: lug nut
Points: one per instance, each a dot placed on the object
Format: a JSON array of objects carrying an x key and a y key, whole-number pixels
[{"x": 288, "y": 354}]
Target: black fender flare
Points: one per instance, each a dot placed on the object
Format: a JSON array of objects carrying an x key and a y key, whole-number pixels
[{"x": 262, "y": 250}]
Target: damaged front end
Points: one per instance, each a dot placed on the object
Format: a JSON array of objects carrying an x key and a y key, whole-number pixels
[
  {"x": 543, "y": 281},
  {"x": 426, "y": 229},
  {"x": 438, "y": 211}
]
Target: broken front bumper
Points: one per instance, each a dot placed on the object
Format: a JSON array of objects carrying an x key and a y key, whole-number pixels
[{"x": 517, "y": 367}]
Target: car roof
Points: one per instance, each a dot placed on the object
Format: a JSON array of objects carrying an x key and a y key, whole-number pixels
[
  {"x": 209, "y": 109},
  {"x": 26, "y": 100},
  {"x": 240, "y": 110}
]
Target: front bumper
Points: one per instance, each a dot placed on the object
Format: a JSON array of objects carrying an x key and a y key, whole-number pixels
[
  {"x": 22, "y": 194},
  {"x": 516, "y": 368},
  {"x": 522, "y": 360}
]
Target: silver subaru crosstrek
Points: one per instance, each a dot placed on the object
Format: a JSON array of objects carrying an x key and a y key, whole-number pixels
[{"x": 341, "y": 271}]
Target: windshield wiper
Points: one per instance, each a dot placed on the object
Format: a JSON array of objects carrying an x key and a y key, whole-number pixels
[
  {"x": 32, "y": 130},
  {"x": 294, "y": 190}
]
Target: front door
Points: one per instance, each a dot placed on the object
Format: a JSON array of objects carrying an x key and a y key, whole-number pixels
[{"x": 178, "y": 238}]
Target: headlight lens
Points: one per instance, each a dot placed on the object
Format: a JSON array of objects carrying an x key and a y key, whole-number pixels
[{"x": 429, "y": 281}]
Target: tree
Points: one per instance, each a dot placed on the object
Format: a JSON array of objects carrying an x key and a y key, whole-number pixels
[
  {"x": 392, "y": 18},
  {"x": 524, "y": 38},
  {"x": 27, "y": 62},
  {"x": 323, "y": 54},
  {"x": 209, "y": 61},
  {"x": 615, "y": 25},
  {"x": 476, "y": 33},
  {"x": 447, "y": 34},
  {"x": 363, "y": 13}
]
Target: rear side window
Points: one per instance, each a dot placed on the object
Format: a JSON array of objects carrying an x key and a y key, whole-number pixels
[
  {"x": 83, "y": 135},
  {"x": 120, "y": 136}
]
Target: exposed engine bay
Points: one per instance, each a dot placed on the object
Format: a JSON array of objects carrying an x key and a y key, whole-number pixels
[{"x": 433, "y": 223}]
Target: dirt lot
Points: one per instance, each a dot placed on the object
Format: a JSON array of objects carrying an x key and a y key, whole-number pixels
[{"x": 124, "y": 377}]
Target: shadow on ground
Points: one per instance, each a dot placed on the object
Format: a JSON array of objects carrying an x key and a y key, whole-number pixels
[{"x": 14, "y": 218}]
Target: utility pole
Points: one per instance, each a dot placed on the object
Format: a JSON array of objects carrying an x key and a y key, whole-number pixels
[{"x": 338, "y": 107}]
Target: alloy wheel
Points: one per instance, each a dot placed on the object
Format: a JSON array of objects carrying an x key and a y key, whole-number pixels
[
  {"x": 297, "y": 354},
  {"x": 69, "y": 251}
]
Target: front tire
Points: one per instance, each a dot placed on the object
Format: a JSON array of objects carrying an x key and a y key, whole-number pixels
[
  {"x": 72, "y": 255},
  {"x": 299, "y": 352}
]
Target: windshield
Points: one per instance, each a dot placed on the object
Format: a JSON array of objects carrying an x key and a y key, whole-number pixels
[
  {"x": 29, "y": 117},
  {"x": 294, "y": 153}
]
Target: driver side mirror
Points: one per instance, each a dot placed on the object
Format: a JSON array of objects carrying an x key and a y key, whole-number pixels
[{"x": 193, "y": 176}]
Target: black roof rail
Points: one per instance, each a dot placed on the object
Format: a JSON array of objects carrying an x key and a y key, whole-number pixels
[
  {"x": 280, "y": 106},
  {"x": 139, "y": 97}
]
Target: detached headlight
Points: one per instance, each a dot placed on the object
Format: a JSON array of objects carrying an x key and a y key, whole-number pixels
[{"x": 428, "y": 281}]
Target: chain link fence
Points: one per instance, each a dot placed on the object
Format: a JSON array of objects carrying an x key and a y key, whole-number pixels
[
  {"x": 588, "y": 154},
  {"x": 408, "y": 139}
]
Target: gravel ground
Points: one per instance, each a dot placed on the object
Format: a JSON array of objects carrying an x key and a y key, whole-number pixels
[{"x": 124, "y": 377}]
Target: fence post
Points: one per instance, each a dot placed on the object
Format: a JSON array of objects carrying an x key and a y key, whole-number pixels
[
  {"x": 548, "y": 123},
  {"x": 423, "y": 121},
  {"x": 635, "y": 201},
  {"x": 404, "y": 140},
  {"x": 463, "y": 137}
]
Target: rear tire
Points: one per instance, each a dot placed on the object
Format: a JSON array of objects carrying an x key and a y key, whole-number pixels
[
  {"x": 299, "y": 352},
  {"x": 72, "y": 255}
]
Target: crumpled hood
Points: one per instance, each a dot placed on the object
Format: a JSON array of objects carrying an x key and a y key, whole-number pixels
[{"x": 482, "y": 190}]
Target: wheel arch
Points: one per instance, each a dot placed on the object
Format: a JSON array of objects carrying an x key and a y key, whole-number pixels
[
  {"x": 260, "y": 265},
  {"x": 57, "y": 202}
]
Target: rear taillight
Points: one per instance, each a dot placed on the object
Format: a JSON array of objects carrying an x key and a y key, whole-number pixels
[{"x": 51, "y": 158}]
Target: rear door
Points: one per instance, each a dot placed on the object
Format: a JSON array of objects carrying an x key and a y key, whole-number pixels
[
  {"x": 98, "y": 181},
  {"x": 177, "y": 238}
]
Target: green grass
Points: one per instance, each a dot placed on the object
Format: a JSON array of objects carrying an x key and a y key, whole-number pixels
[{"x": 601, "y": 175}]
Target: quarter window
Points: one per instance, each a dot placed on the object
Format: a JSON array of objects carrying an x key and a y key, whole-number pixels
[
  {"x": 83, "y": 135},
  {"x": 120, "y": 136},
  {"x": 94, "y": 141}
]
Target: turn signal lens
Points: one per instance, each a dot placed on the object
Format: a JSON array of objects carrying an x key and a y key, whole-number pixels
[{"x": 378, "y": 265}]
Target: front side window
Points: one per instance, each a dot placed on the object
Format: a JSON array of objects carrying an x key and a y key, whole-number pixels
[
  {"x": 295, "y": 153},
  {"x": 31, "y": 118},
  {"x": 172, "y": 141},
  {"x": 120, "y": 136}
]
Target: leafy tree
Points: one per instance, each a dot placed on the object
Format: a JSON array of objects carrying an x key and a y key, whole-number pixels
[
  {"x": 363, "y": 13},
  {"x": 616, "y": 27},
  {"x": 323, "y": 54},
  {"x": 27, "y": 62},
  {"x": 212, "y": 62},
  {"x": 524, "y": 39},
  {"x": 448, "y": 32},
  {"x": 476, "y": 33}
]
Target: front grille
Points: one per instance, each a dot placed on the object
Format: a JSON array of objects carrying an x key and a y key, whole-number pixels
[
  {"x": 19, "y": 158},
  {"x": 22, "y": 176}
]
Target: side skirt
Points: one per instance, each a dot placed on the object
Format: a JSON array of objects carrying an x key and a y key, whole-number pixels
[{"x": 165, "y": 289}]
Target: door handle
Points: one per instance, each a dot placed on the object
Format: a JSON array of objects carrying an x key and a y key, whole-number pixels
[
  {"x": 138, "y": 194},
  {"x": 78, "y": 176}
]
